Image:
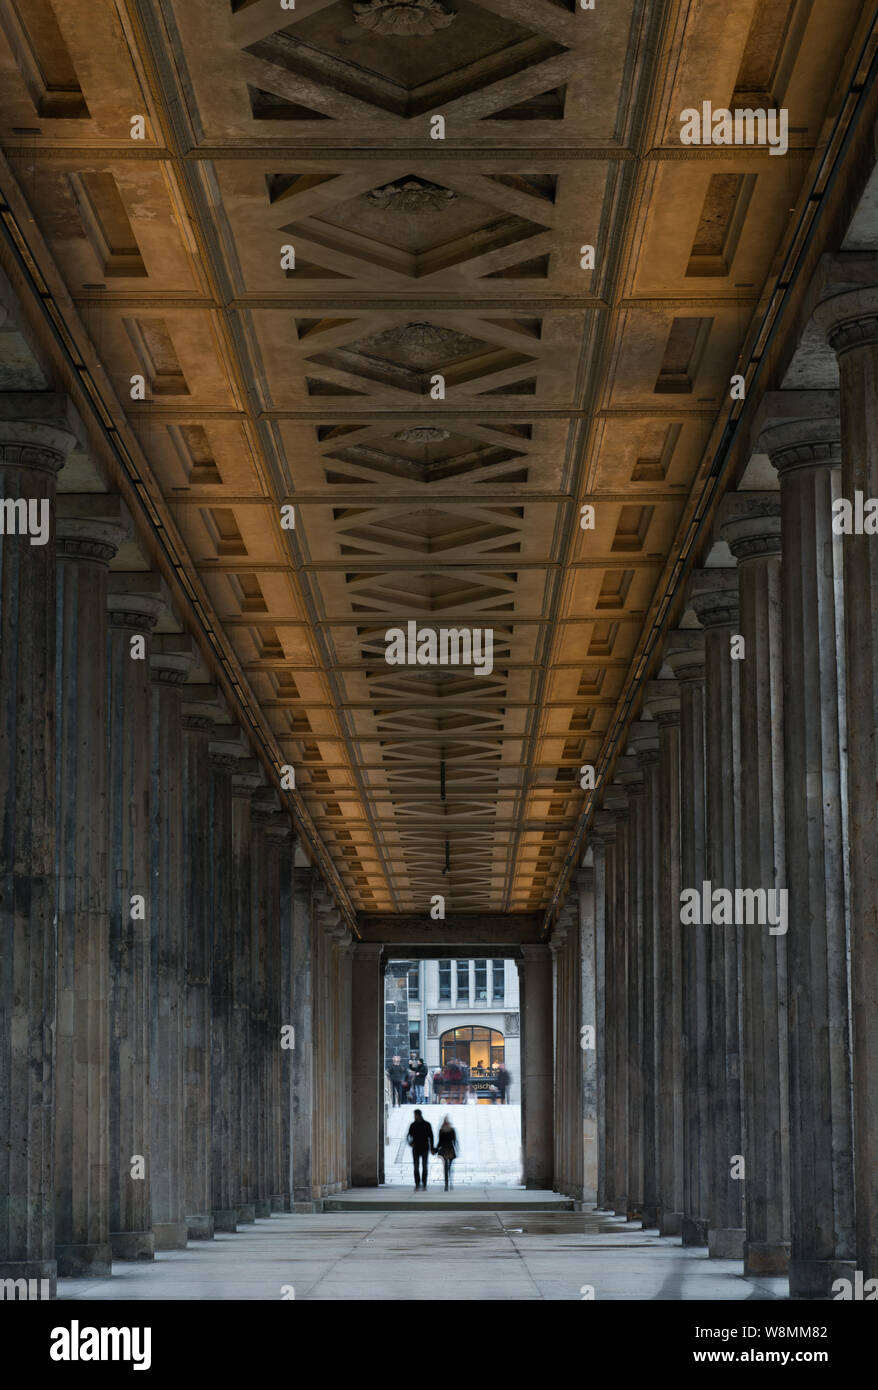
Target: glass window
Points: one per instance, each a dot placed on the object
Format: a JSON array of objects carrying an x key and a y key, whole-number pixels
[
  {"x": 498, "y": 981},
  {"x": 414, "y": 981},
  {"x": 463, "y": 982},
  {"x": 445, "y": 981},
  {"x": 481, "y": 982},
  {"x": 415, "y": 1037}
]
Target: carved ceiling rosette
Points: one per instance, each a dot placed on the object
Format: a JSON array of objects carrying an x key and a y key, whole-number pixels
[
  {"x": 411, "y": 195},
  {"x": 403, "y": 18}
]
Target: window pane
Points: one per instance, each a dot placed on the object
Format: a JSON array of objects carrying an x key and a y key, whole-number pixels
[
  {"x": 415, "y": 1036},
  {"x": 445, "y": 980},
  {"x": 481, "y": 981},
  {"x": 498, "y": 981},
  {"x": 414, "y": 982},
  {"x": 463, "y": 981}
]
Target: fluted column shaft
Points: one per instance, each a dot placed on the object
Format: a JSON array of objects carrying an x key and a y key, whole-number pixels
[
  {"x": 714, "y": 596},
  {"x": 751, "y": 525},
  {"x": 617, "y": 1004},
  {"x": 134, "y": 606},
  {"x": 170, "y": 660},
  {"x": 603, "y": 833},
  {"x": 806, "y": 454},
  {"x": 88, "y": 533},
  {"x": 684, "y": 652},
  {"x": 30, "y": 456},
  {"x": 280, "y": 849},
  {"x": 242, "y": 1099},
  {"x": 662, "y": 701},
  {"x": 586, "y": 990},
  {"x": 853, "y": 324},
  {"x": 198, "y": 867},
  {"x": 303, "y": 1021},
  {"x": 224, "y": 1142},
  {"x": 644, "y": 744},
  {"x": 259, "y": 1052}
]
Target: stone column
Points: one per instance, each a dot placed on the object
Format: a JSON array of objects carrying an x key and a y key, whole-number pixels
[
  {"x": 536, "y": 1066},
  {"x": 822, "y": 1245},
  {"x": 602, "y": 839},
  {"x": 201, "y": 710},
  {"x": 750, "y": 523},
  {"x": 264, "y": 807},
  {"x": 587, "y": 1020},
  {"x": 643, "y": 742},
  {"x": 135, "y": 602},
  {"x": 367, "y": 1070},
  {"x": 852, "y": 322},
  {"x": 684, "y": 653},
  {"x": 171, "y": 658},
  {"x": 280, "y": 842},
  {"x": 89, "y": 530},
  {"x": 30, "y": 456},
  {"x": 244, "y": 783},
  {"x": 616, "y": 802},
  {"x": 713, "y": 593},
  {"x": 303, "y": 1057},
  {"x": 629, "y": 777},
  {"x": 662, "y": 702},
  {"x": 225, "y": 1142}
]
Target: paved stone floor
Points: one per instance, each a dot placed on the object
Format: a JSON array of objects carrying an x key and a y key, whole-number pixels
[
  {"x": 488, "y": 1136},
  {"x": 448, "y": 1255}
]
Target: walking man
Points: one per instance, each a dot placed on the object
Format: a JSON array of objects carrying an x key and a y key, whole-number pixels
[
  {"x": 420, "y": 1137},
  {"x": 396, "y": 1072}
]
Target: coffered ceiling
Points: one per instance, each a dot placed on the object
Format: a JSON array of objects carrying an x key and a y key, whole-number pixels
[{"x": 306, "y": 376}]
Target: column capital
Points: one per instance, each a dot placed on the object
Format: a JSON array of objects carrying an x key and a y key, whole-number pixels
[
  {"x": 228, "y": 747},
  {"x": 749, "y": 522},
  {"x": 36, "y": 430},
  {"x": 202, "y": 707},
  {"x": 684, "y": 653},
  {"x": 247, "y": 779},
  {"x": 643, "y": 741},
  {"x": 135, "y": 599},
  {"x": 89, "y": 526},
  {"x": 628, "y": 774},
  {"x": 808, "y": 443},
  {"x": 661, "y": 699},
  {"x": 603, "y": 828},
  {"x": 171, "y": 656},
  {"x": 536, "y": 955},
  {"x": 849, "y": 320},
  {"x": 713, "y": 594}
]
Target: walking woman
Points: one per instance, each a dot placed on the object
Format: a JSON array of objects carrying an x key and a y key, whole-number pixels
[{"x": 446, "y": 1148}]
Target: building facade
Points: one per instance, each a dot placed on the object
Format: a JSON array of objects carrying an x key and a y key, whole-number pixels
[{"x": 463, "y": 1008}]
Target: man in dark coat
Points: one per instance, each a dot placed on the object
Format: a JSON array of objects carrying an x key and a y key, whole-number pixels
[
  {"x": 420, "y": 1137},
  {"x": 396, "y": 1071}
]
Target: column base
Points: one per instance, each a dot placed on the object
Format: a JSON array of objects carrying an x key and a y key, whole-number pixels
[
  {"x": 277, "y": 1203},
  {"x": 650, "y": 1218},
  {"x": 303, "y": 1207},
  {"x": 246, "y": 1214},
  {"x": 263, "y": 1207},
  {"x": 200, "y": 1226},
  {"x": 37, "y": 1278},
  {"x": 132, "y": 1245},
  {"x": 670, "y": 1223},
  {"x": 169, "y": 1235},
  {"x": 766, "y": 1257},
  {"x": 84, "y": 1261},
  {"x": 815, "y": 1278},
  {"x": 726, "y": 1244},
  {"x": 225, "y": 1221},
  {"x": 693, "y": 1231}
]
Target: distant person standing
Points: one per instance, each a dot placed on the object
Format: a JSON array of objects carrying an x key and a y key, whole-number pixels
[
  {"x": 446, "y": 1148},
  {"x": 502, "y": 1081},
  {"x": 396, "y": 1072},
  {"x": 420, "y": 1137},
  {"x": 420, "y": 1078}
]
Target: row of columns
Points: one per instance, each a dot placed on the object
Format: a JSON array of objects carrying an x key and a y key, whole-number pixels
[
  {"x": 737, "y": 1087},
  {"x": 174, "y": 1003}
]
